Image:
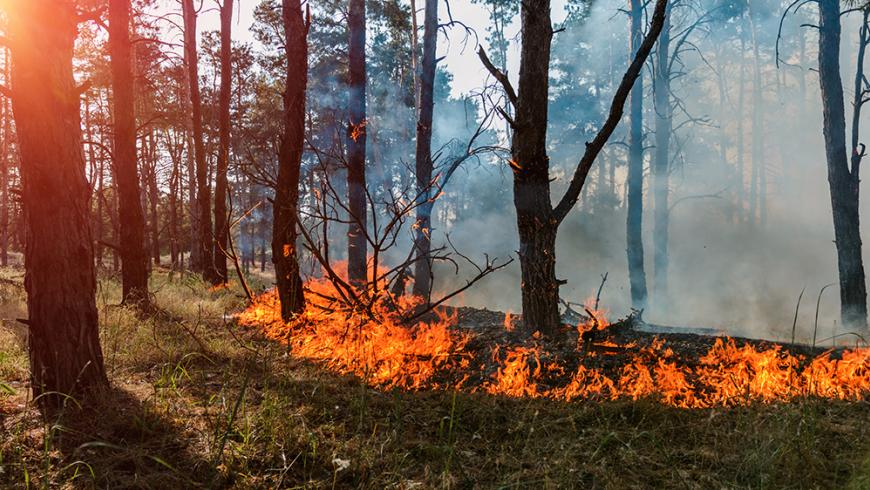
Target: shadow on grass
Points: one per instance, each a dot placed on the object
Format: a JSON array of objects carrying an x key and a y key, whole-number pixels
[{"x": 113, "y": 441}]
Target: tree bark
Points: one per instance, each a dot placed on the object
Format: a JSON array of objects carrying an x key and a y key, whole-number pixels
[
  {"x": 843, "y": 181},
  {"x": 134, "y": 271},
  {"x": 423, "y": 240},
  {"x": 634, "y": 219},
  {"x": 357, "y": 244},
  {"x": 203, "y": 194},
  {"x": 221, "y": 218},
  {"x": 284, "y": 209},
  {"x": 64, "y": 343},
  {"x": 530, "y": 163}
]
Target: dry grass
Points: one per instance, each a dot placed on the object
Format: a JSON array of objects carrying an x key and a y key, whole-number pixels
[{"x": 196, "y": 403}]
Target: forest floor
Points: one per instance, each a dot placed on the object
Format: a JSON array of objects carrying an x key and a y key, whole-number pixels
[{"x": 198, "y": 402}]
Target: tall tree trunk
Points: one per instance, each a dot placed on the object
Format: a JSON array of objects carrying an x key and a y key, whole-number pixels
[
  {"x": 203, "y": 194},
  {"x": 844, "y": 182},
  {"x": 174, "y": 190},
  {"x": 530, "y": 164},
  {"x": 741, "y": 132},
  {"x": 634, "y": 219},
  {"x": 757, "y": 204},
  {"x": 134, "y": 261},
  {"x": 221, "y": 218},
  {"x": 723, "y": 134},
  {"x": 357, "y": 245},
  {"x": 661, "y": 167},
  {"x": 423, "y": 241},
  {"x": 153, "y": 198},
  {"x": 537, "y": 219},
  {"x": 6, "y": 173},
  {"x": 64, "y": 342},
  {"x": 284, "y": 208}
]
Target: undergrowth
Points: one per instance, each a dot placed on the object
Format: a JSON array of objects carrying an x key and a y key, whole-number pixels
[{"x": 197, "y": 402}]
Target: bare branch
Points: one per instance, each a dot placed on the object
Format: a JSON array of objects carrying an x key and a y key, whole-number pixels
[
  {"x": 616, "y": 109},
  {"x": 501, "y": 77}
]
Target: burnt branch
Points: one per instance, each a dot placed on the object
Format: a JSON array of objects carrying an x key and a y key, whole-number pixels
[{"x": 501, "y": 77}]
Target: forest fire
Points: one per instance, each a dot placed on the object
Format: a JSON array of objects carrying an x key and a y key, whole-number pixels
[{"x": 437, "y": 353}]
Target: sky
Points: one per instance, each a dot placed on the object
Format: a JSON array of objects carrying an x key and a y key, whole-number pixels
[{"x": 460, "y": 58}]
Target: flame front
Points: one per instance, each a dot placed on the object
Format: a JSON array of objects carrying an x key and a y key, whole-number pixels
[{"x": 434, "y": 354}]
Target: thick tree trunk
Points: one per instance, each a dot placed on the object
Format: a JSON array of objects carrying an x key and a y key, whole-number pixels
[
  {"x": 284, "y": 209},
  {"x": 221, "y": 218},
  {"x": 661, "y": 167},
  {"x": 357, "y": 244},
  {"x": 64, "y": 342},
  {"x": 203, "y": 194},
  {"x": 530, "y": 163},
  {"x": 423, "y": 240},
  {"x": 134, "y": 271},
  {"x": 634, "y": 219},
  {"x": 844, "y": 182}
]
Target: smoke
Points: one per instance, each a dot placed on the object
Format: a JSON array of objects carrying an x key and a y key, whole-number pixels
[{"x": 741, "y": 277}]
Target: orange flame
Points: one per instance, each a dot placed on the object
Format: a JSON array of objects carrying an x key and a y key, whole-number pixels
[{"x": 429, "y": 354}]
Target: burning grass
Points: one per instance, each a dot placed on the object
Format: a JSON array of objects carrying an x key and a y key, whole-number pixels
[
  {"x": 600, "y": 361},
  {"x": 203, "y": 405}
]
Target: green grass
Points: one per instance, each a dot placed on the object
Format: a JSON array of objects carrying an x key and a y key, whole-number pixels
[{"x": 199, "y": 403}]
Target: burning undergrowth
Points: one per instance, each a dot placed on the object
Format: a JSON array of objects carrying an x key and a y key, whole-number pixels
[{"x": 482, "y": 351}]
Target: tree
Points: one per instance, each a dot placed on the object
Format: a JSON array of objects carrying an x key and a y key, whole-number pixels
[
  {"x": 537, "y": 220},
  {"x": 221, "y": 218},
  {"x": 64, "y": 343},
  {"x": 661, "y": 165},
  {"x": 134, "y": 261},
  {"x": 843, "y": 180},
  {"x": 357, "y": 244},
  {"x": 284, "y": 209},
  {"x": 423, "y": 239},
  {"x": 634, "y": 218},
  {"x": 203, "y": 196}
]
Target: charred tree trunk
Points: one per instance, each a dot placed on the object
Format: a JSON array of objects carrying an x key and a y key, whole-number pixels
[
  {"x": 531, "y": 168},
  {"x": 64, "y": 342},
  {"x": 423, "y": 240},
  {"x": 284, "y": 208},
  {"x": 661, "y": 167},
  {"x": 203, "y": 194},
  {"x": 634, "y": 220},
  {"x": 131, "y": 220},
  {"x": 357, "y": 245},
  {"x": 221, "y": 218},
  {"x": 537, "y": 220},
  {"x": 844, "y": 182}
]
